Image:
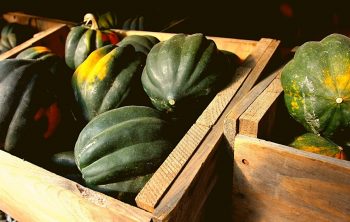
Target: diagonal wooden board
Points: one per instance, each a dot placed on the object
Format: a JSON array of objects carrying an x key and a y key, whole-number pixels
[{"x": 153, "y": 192}]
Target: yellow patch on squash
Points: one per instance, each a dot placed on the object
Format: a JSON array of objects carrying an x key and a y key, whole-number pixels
[
  {"x": 340, "y": 82},
  {"x": 93, "y": 68}
]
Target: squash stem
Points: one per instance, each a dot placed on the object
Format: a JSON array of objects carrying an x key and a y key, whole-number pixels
[
  {"x": 89, "y": 17},
  {"x": 339, "y": 100}
]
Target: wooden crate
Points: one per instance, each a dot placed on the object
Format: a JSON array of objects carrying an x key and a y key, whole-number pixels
[
  {"x": 275, "y": 182},
  {"x": 178, "y": 189},
  {"x": 51, "y": 32}
]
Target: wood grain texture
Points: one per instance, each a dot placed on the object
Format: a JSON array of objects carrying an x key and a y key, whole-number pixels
[
  {"x": 37, "y": 22},
  {"x": 231, "y": 120},
  {"x": 241, "y": 47},
  {"x": 54, "y": 38},
  {"x": 221, "y": 100},
  {"x": 30, "y": 193},
  {"x": 155, "y": 188},
  {"x": 273, "y": 182},
  {"x": 251, "y": 121}
]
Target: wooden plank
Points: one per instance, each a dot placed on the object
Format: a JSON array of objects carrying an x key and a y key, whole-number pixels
[
  {"x": 38, "y": 22},
  {"x": 231, "y": 120},
  {"x": 193, "y": 183},
  {"x": 53, "y": 37},
  {"x": 154, "y": 190},
  {"x": 241, "y": 47},
  {"x": 30, "y": 193},
  {"x": 220, "y": 101},
  {"x": 273, "y": 182},
  {"x": 177, "y": 196},
  {"x": 251, "y": 121}
]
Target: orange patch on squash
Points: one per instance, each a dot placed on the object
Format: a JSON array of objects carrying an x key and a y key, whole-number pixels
[{"x": 53, "y": 116}]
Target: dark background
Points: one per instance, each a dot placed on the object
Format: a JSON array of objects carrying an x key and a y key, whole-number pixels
[{"x": 293, "y": 22}]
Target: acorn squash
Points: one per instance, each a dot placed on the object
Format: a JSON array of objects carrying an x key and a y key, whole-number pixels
[
  {"x": 316, "y": 85},
  {"x": 103, "y": 81},
  {"x": 120, "y": 149},
  {"x": 30, "y": 111},
  {"x": 84, "y": 39},
  {"x": 183, "y": 73}
]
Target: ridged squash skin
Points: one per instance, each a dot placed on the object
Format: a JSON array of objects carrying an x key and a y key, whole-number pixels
[
  {"x": 311, "y": 142},
  {"x": 134, "y": 23},
  {"x": 84, "y": 39},
  {"x": 316, "y": 84},
  {"x": 141, "y": 43},
  {"x": 183, "y": 73},
  {"x": 13, "y": 34},
  {"x": 118, "y": 150},
  {"x": 104, "y": 80},
  {"x": 30, "y": 111}
]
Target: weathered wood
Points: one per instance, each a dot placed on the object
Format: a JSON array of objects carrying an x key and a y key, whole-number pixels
[
  {"x": 273, "y": 182},
  {"x": 219, "y": 103},
  {"x": 37, "y": 22},
  {"x": 30, "y": 193},
  {"x": 154, "y": 190},
  {"x": 251, "y": 122},
  {"x": 241, "y": 47},
  {"x": 54, "y": 38},
  {"x": 231, "y": 120}
]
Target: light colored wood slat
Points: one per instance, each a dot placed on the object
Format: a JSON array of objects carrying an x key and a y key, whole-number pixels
[
  {"x": 38, "y": 22},
  {"x": 154, "y": 190},
  {"x": 47, "y": 36},
  {"x": 231, "y": 120},
  {"x": 30, "y": 193},
  {"x": 197, "y": 173},
  {"x": 274, "y": 182},
  {"x": 220, "y": 101},
  {"x": 241, "y": 47},
  {"x": 249, "y": 122}
]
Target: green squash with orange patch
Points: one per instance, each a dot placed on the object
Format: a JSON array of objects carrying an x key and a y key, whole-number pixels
[
  {"x": 316, "y": 144},
  {"x": 30, "y": 108},
  {"x": 84, "y": 39},
  {"x": 316, "y": 85},
  {"x": 104, "y": 80}
]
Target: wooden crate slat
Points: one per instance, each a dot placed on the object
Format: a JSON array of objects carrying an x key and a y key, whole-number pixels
[
  {"x": 49, "y": 36},
  {"x": 220, "y": 101},
  {"x": 152, "y": 192},
  {"x": 249, "y": 122},
  {"x": 38, "y": 22},
  {"x": 231, "y": 120},
  {"x": 274, "y": 182},
  {"x": 54, "y": 198}
]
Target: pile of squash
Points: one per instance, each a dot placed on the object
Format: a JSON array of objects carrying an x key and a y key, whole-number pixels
[
  {"x": 316, "y": 84},
  {"x": 108, "y": 114}
]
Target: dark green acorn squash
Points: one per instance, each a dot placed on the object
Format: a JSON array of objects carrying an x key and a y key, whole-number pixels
[
  {"x": 84, "y": 39},
  {"x": 311, "y": 142},
  {"x": 316, "y": 85},
  {"x": 120, "y": 149},
  {"x": 183, "y": 73},
  {"x": 103, "y": 81},
  {"x": 13, "y": 34},
  {"x": 135, "y": 23},
  {"x": 107, "y": 20},
  {"x": 141, "y": 43},
  {"x": 30, "y": 111}
]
